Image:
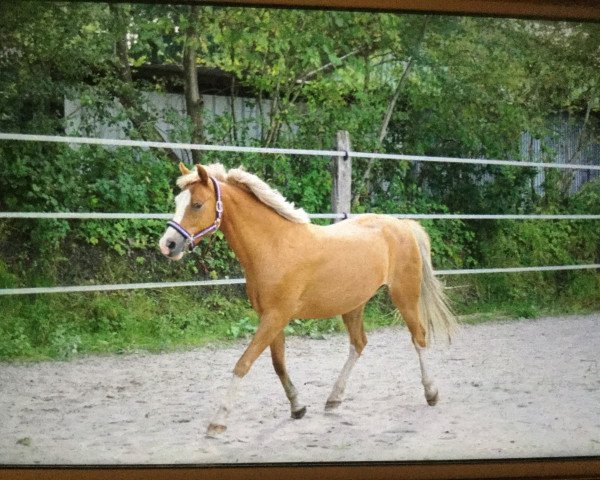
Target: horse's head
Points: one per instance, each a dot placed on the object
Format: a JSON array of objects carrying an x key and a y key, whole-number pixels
[{"x": 198, "y": 211}]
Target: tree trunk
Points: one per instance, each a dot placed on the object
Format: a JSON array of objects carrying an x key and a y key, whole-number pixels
[
  {"x": 121, "y": 47},
  {"x": 583, "y": 140},
  {"x": 390, "y": 110},
  {"x": 126, "y": 92},
  {"x": 193, "y": 100}
]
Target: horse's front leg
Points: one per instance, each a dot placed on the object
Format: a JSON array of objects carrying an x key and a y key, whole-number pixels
[
  {"x": 267, "y": 331},
  {"x": 278, "y": 358}
]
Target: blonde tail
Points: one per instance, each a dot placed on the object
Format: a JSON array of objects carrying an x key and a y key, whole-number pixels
[{"x": 436, "y": 314}]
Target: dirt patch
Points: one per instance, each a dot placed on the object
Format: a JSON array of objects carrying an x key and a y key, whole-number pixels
[{"x": 511, "y": 389}]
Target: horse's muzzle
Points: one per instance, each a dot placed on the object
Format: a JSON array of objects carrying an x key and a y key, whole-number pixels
[{"x": 172, "y": 245}]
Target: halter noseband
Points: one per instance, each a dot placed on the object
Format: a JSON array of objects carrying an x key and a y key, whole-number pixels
[{"x": 190, "y": 239}]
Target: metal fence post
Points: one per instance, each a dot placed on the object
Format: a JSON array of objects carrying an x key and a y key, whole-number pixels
[{"x": 341, "y": 168}]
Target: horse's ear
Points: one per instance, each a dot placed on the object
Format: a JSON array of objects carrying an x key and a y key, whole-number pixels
[
  {"x": 183, "y": 169},
  {"x": 202, "y": 173}
]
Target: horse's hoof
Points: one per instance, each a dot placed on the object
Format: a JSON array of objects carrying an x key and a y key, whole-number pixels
[
  {"x": 332, "y": 404},
  {"x": 299, "y": 413},
  {"x": 433, "y": 399},
  {"x": 215, "y": 429}
]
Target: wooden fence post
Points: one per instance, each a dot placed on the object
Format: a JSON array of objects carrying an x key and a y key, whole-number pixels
[{"x": 341, "y": 168}]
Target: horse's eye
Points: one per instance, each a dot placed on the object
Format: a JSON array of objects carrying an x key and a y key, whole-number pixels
[{"x": 196, "y": 206}]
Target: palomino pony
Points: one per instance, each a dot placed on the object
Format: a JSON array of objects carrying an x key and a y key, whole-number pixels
[{"x": 297, "y": 270}]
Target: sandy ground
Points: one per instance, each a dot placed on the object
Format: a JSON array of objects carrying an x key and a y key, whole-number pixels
[{"x": 516, "y": 389}]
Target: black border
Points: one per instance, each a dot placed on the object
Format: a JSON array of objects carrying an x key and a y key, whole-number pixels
[
  {"x": 575, "y": 10},
  {"x": 538, "y": 468}
]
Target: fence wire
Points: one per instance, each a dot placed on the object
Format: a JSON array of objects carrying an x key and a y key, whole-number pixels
[
  {"x": 284, "y": 151},
  {"x": 331, "y": 216},
  {"x": 239, "y": 281}
]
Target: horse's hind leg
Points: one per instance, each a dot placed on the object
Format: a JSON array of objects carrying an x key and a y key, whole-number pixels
[
  {"x": 358, "y": 340},
  {"x": 406, "y": 300},
  {"x": 431, "y": 391},
  {"x": 278, "y": 358}
]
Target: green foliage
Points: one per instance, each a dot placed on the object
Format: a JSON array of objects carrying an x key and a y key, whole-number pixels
[
  {"x": 15, "y": 342},
  {"x": 7, "y": 279},
  {"x": 61, "y": 326},
  {"x": 464, "y": 87},
  {"x": 587, "y": 200},
  {"x": 243, "y": 328},
  {"x": 317, "y": 329},
  {"x": 64, "y": 344},
  {"x": 84, "y": 179}
]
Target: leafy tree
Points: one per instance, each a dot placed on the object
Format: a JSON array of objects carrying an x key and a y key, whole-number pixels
[{"x": 398, "y": 83}]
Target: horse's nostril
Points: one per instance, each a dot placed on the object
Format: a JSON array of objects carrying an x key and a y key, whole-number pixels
[{"x": 171, "y": 245}]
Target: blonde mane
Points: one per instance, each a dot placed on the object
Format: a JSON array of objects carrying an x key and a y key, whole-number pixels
[{"x": 240, "y": 178}]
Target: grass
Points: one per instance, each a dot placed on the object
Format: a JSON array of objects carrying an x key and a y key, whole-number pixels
[{"x": 62, "y": 326}]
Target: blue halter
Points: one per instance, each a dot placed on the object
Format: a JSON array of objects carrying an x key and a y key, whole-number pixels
[{"x": 191, "y": 240}]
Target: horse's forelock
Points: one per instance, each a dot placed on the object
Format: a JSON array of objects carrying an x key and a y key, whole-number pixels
[{"x": 187, "y": 179}]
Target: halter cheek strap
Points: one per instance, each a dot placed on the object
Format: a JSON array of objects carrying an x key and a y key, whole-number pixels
[{"x": 191, "y": 240}]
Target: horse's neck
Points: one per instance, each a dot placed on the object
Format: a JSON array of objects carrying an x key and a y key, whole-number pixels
[{"x": 250, "y": 227}]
